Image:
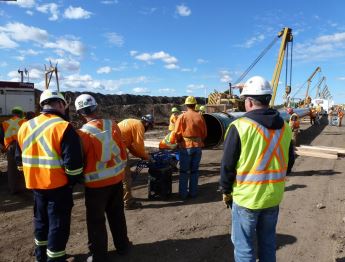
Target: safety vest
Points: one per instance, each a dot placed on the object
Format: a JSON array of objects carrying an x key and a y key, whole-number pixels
[
  {"x": 294, "y": 124},
  {"x": 40, "y": 141},
  {"x": 106, "y": 162},
  {"x": 262, "y": 166},
  {"x": 172, "y": 121},
  {"x": 11, "y": 127},
  {"x": 169, "y": 141}
]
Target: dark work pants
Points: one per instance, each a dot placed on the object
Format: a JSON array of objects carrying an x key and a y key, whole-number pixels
[
  {"x": 16, "y": 181},
  {"x": 52, "y": 219},
  {"x": 108, "y": 200}
]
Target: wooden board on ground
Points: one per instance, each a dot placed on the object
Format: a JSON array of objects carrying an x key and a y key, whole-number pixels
[
  {"x": 302, "y": 152},
  {"x": 338, "y": 150}
]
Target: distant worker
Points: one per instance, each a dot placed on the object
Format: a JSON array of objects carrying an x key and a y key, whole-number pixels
[
  {"x": 105, "y": 160},
  {"x": 202, "y": 110},
  {"x": 8, "y": 139},
  {"x": 50, "y": 155},
  {"x": 258, "y": 153},
  {"x": 174, "y": 115},
  {"x": 294, "y": 124},
  {"x": 133, "y": 131},
  {"x": 330, "y": 116},
  {"x": 313, "y": 115},
  {"x": 190, "y": 129},
  {"x": 340, "y": 116},
  {"x": 197, "y": 108}
]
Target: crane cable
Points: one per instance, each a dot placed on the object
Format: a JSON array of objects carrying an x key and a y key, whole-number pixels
[{"x": 256, "y": 60}]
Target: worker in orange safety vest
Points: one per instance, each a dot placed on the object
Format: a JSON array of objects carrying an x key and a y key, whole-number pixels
[
  {"x": 8, "y": 139},
  {"x": 105, "y": 159},
  {"x": 294, "y": 124},
  {"x": 133, "y": 131},
  {"x": 49, "y": 153},
  {"x": 190, "y": 129}
]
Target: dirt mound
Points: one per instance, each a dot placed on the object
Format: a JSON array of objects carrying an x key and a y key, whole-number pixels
[{"x": 119, "y": 107}]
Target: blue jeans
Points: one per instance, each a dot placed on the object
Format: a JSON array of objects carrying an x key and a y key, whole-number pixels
[
  {"x": 189, "y": 170},
  {"x": 246, "y": 224}
]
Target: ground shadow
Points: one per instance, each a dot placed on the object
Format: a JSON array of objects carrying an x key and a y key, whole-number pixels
[
  {"x": 294, "y": 187},
  {"x": 214, "y": 248},
  {"x": 340, "y": 259},
  {"x": 326, "y": 172},
  {"x": 307, "y": 135}
]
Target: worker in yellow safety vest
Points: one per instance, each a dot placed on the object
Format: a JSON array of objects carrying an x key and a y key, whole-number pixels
[
  {"x": 104, "y": 168},
  {"x": 294, "y": 124},
  {"x": 133, "y": 131},
  {"x": 8, "y": 140},
  {"x": 174, "y": 115},
  {"x": 202, "y": 110},
  {"x": 49, "y": 153},
  {"x": 258, "y": 153}
]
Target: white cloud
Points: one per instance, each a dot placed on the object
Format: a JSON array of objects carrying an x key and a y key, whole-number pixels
[
  {"x": 36, "y": 74},
  {"x": 76, "y": 13},
  {"x": 30, "y": 52},
  {"x": 115, "y": 39},
  {"x": 74, "y": 47},
  {"x": 194, "y": 86},
  {"x": 19, "y": 58},
  {"x": 22, "y": 33},
  {"x": 253, "y": 40},
  {"x": 201, "y": 61},
  {"x": 65, "y": 64},
  {"x": 170, "y": 61},
  {"x": 148, "y": 11},
  {"x": 225, "y": 76},
  {"x": 335, "y": 38},
  {"x": 52, "y": 8},
  {"x": 23, "y": 3},
  {"x": 109, "y": 2},
  {"x": 341, "y": 78},
  {"x": 166, "y": 90},
  {"x": 3, "y": 64},
  {"x": 141, "y": 90},
  {"x": 6, "y": 42},
  {"x": 183, "y": 10},
  {"x": 194, "y": 69},
  {"x": 104, "y": 70},
  {"x": 29, "y": 12},
  {"x": 133, "y": 52}
]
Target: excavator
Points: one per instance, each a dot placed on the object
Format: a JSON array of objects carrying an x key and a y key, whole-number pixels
[{"x": 227, "y": 101}]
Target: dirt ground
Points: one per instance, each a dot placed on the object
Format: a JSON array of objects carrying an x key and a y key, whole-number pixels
[{"x": 198, "y": 229}]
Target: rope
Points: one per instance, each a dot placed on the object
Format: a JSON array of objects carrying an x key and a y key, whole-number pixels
[{"x": 256, "y": 60}]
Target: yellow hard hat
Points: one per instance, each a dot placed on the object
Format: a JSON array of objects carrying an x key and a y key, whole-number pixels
[
  {"x": 197, "y": 107},
  {"x": 174, "y": 110},
  {"x": 202, "y": 108},
  {"x": 17, "y": 109},
  {"x": 49, "y": 94},
  {"x": 190, "y": 100}
]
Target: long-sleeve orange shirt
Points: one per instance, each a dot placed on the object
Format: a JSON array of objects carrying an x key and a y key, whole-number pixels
[
  {"x": 133, "y": 131},
  {"x": 190, "y": 128}
]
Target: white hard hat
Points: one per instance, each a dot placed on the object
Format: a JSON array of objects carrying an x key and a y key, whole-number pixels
[
  {"x": 49, "y": 94},
  {"x": 256, "y": 86},
  {"x": 85, "y": 101}
]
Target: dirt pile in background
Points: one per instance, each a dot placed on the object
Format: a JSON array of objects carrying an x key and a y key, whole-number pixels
[{"x": 120, "y": 107}]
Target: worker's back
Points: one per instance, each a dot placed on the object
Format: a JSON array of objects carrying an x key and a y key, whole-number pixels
[{"x": 129, "y": 129}]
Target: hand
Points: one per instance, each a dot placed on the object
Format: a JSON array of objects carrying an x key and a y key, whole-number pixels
[{"x": 227, "y": 199}]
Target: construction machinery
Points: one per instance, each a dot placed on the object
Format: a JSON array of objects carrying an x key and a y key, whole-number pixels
[{"x": 227, "y": 101}]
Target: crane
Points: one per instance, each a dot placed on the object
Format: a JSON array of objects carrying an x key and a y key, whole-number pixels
[
  {"x": 306, "y": 100},
  {"x": 318, "y": 86}
]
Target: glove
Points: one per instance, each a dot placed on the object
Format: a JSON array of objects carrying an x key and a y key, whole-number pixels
[{"x": 227, "y": 199}]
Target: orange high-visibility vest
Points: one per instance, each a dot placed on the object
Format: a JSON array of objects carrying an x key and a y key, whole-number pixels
[
  {"x": 40, "y": 141},
  {"x": 169, "y": 141},
  {"x": 11, "y": 127},
  {"x": 105, "y": 153}
]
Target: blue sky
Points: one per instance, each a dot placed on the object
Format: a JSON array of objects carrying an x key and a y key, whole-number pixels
[{"x": 170, "y": 48}]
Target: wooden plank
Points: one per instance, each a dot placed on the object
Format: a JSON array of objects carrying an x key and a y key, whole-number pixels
[
  {"x": 316, "y": 154},
  {"x": 152, "y": 143},
  {"x": 314, "y": 149},
  {"x": 337, "y": 149}
]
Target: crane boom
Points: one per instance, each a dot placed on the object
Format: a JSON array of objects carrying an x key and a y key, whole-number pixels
[
  {"x": 286, "y": 35},
  {"x": 318, "y": 86},
  {"x": 318, "y": 69}
]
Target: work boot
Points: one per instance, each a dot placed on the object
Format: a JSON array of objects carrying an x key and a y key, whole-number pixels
[{"x": 133, "y": 205}]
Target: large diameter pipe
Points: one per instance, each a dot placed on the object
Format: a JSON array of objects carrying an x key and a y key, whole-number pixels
[{"x": 217, "y": 124}]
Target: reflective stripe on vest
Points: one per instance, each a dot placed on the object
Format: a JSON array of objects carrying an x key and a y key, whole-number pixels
[
  {"x": 51, "y": 159},
  {"x": 261, "y": 171},
  {"x": 11, "y": 127},
  {"x": 110, "y": 151}
]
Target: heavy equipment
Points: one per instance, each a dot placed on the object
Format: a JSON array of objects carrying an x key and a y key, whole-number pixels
[{"x": 227, "y": 101}]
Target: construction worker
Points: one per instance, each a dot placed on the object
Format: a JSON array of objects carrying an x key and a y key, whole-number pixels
[
  {"x": 8, "y": 139},
  {"x": 202, "y": 110},
  {"x": 330, "y": 116},
  {"x": 174, "y": 115},
  {"x": 313, "y": 115},
  {"x": 258, "y": 153},
  {"x": 50, "y": 156},
  {"x": 340, "y": 116},
  {"x": 294, "y": 124},
  {"x": 190, "y": 129},
  {"x": 197, "y": 108},
  {"x": 104, "y": 168},
  {"x": 133, "y": 131}
]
